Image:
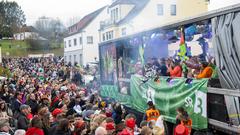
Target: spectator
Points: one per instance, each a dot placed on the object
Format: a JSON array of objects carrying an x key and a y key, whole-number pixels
[
  {"x": 159, "y": 129},
  {"x": 23, "y": 121},
  {"x": 100, "y": 131},
  {"x": 146, "y": 131},
  {"x": 62, "y": 128},
  {"x": 3, "y": 111},
  {"x": 46, "y": 121},
  {"x": 4, "y": 127},
  {"x": 110, "y": 127},
  {"x": 17, "y": 103},
  {"x": 20, "y": 132},
  {"x": 32, "y": 102},
  {"x": 183, "y": 119},
  {"x": 181, "y": 130},
  {"x": 36, "y": 127},
  {"x": 151, "y": 113}
]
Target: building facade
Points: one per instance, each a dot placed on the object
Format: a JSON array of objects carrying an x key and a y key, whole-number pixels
[
  {"x": 27, "y": 32},
  {"x": 81, "y": 44},
  {"x": 126, "y": 17},
  {"x": 216, "y": 4}
]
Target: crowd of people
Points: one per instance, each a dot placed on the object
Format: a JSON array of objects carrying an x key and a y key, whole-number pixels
[
  {"x": 194, "y": 67},
  {"x": 43, "y": 96}
]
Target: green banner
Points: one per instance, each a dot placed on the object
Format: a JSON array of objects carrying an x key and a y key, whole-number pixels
[{"x": 167, "y": 95}]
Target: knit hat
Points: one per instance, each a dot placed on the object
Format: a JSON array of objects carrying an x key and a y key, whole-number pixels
[
  {"x": 79, "y": 124},
  {"x": 22, "y": 107},
  {"x": 130, "y": 123},
  {"x": 108, "y": 113},
  {"x": 110, "y": 126},
  {"x": 56, "y": 112}
]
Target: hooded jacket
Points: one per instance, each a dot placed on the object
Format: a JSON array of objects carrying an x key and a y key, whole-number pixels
[{"x": 34, "y": 131}]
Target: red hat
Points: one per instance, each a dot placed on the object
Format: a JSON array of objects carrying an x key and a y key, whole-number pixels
[
  {"x": 110, "y": 126},
  {"x": 108, "y": 113},
  {"x": 80, "y": 124},
  {"x": 29, "y": 116},
  {"x": 124, "y": 132},
  {"x": 56, "y": 112},
  {"x": 130, "y": 123},
  {"x": 181, "y": 130}
]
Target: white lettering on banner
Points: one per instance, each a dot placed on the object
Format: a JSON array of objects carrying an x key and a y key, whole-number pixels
[
  {"x": 200, "y": 105},
  {"x": 188, "y": 102},
  {"x": 150, "y": 94}
]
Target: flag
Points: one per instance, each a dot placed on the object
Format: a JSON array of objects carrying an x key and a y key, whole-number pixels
[
  {"x": 182, "y": 48},
  {"x": 141, "y": 53}
]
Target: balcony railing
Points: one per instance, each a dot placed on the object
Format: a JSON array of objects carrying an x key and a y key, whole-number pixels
[{"x": 107, "y": 23}]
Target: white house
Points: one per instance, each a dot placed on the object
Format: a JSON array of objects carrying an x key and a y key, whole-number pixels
[
  {"x": 216, "y": 4},
  {"x": 27, "y": 32},
  {"x": 126, "y": 17},
  {"x": 81, "y": 44}
]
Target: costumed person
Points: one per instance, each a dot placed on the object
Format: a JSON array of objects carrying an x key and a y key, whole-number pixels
[
  {"x": 151, "y": 113},
  {"x": 184, "y": 120},
  {"x": 206, "y": 71},
  {"x": 175, "y": 69}
]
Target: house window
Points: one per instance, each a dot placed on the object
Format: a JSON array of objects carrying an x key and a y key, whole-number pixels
[
  {"x": 65, "y": 44},
  {"x": 112, "y": 15},
  {"x": 80, "y": 59},
  {"x": 80, "y": 40},
  {"x": 107, "y": 36},
  {"x": 65, "y": 59},
  {"x": 160, "y": 9},
  {"x": 89, "y": 39},
  {"x": 173, "y": 10},
  {"x": 75, "y": 58},
  {"x": 69, "y": 43},
  {"x": 75, "y": 41},
  {"x": 110, "y": 35},
  {"x": 116, "y": 14},
  {"x": 124, "y": 31},
  {"x": 103, "y": 37},
  {"x": 70, "y": 58}
]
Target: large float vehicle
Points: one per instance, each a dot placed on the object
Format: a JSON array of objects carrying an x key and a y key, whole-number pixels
[{"x": 213, "y": 104}]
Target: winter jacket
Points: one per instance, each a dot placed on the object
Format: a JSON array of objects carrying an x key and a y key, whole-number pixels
[
  {"x": 176, "y": 72},
  {"x": 34, "y": 131},
  {"x": 23, "y": 122},
  {"x": 61, "y": 132},
  {"x": 206, "y": 73}
]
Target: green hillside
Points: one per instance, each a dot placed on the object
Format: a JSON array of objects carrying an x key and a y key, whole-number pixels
[{"x": 14, "y": 48}]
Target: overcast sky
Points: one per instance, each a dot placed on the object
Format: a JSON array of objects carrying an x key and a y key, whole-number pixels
[{"x": 62, "y": 9}]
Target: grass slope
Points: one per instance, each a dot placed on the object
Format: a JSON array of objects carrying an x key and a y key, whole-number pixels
[{"x": 14, "y": 48}]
